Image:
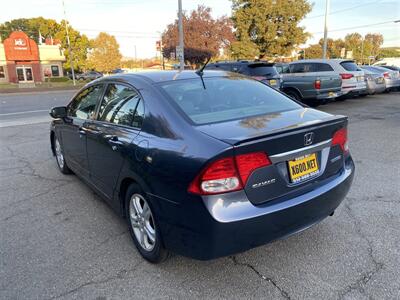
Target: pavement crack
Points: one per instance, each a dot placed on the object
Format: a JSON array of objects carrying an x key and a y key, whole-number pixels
[
  {"x": 18, "y": 213},
  {"x": 366, "y": 276},
  {"x": 52, "y": 190},
  {"x": 263, "y": 277},
  {"x": 119, "y": 275},
  {"x": 112, "y": 237}
]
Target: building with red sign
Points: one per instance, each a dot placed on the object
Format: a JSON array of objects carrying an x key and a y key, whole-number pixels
[{"x": 22, "y": 60}]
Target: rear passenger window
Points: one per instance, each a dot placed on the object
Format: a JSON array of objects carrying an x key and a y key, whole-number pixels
[
  {"x": 300, "y": 68},
  {"x": 119, "y": 105},
  {"x": 320, "y": 67},
  {"x": 349, "y": 65}
]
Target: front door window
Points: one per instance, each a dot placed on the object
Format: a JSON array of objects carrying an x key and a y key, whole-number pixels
[{"x": 24, "y": 74}]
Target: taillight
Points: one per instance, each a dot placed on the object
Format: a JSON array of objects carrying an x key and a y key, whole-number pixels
[
  {"x": 259, "y": 78},
  {"x": 386, "y": 75},
  {"x": 247, "y": 163},
  {"x": 228, "y": 174},
  {"x": 340, "y": 138},
  {"x": 346, "y": 76},
  {"x": 317, "y": 84}
]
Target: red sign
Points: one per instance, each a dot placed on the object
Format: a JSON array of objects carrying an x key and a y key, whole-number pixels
[{"x": 19, "y": 47}]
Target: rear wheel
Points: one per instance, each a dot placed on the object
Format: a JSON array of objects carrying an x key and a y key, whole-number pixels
[
  {"x": 312, "y": 102},
  {"x": 62, "y": 165},
  {"x": 293, "y": 94},
  {"x": 143, "y": 226}
]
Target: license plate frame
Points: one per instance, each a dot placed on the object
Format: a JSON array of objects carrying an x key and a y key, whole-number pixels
[{"x": 303, "y": 167}]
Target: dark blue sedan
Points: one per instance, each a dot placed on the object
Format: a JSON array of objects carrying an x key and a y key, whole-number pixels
[{"x": 203, "y": 165}]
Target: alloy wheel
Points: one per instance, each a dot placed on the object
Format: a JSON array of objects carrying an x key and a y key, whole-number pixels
[
  {"x": 59, "y": 154},
  {"x": 142, "y": 222}
]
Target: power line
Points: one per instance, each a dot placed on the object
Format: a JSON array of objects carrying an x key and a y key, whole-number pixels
[
  {"x": 355, "y": 27},
  {"x": 342, "y": 10}
]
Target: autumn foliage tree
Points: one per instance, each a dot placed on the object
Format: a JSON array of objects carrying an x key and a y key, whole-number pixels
[
  {"x": 105, "y": 55},
  {"x": 204, "y": 36},
  {"x": 361, "y": 47},
  {"x": 268, "y": 27}
]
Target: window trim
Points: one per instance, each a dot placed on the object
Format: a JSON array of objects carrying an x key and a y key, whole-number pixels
[{"x": 96, "y": 114}]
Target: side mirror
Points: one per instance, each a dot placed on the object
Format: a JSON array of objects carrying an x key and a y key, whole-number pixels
[{"x": 58, "y": 112}]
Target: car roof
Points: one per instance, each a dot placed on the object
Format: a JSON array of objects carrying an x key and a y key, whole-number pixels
[
  {"x": 161, "y": 76},
  {"x": 244, "y": 62},
  {"x": 321, "y": 60}
]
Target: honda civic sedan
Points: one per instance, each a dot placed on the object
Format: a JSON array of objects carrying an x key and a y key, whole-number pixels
[{"x": 203, "y": 164}]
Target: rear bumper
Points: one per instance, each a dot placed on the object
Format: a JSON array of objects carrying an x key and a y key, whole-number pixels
[
  {"x": 329, "y": 95},
  {"x": 392, "y": 83},
  {"x": 224, "y": 226},
  {"x": 354, "y": 90},
  {"x": 373, "y": 87}
]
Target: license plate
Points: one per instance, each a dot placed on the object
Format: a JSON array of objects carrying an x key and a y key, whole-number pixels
[
  {"x": 302, "y": 168},
  {"x": 272, "y": 82},
  {"x": 360, "y": 78},
  {"x": 332, "y": 94},
  {"x": 380, "y": 80}
]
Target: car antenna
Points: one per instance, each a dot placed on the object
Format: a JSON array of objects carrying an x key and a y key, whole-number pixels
[{"x": 200, "y": 71}]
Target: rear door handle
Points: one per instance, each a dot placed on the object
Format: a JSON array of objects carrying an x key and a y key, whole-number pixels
[
  {"x": 82, "y": 131},
  {"x": 114, "y": 141}
]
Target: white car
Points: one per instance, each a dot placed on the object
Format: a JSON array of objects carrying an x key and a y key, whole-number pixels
[{"x": 353, "y": 83}]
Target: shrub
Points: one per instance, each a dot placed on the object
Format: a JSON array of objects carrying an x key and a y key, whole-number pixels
[{"x": 57, "y": 79}]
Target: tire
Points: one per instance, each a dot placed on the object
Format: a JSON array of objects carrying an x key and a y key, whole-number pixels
[
  {"x": 143, "y": 226},
  {"x": 293, "y": 94},
  {"x": 60, "y": 158},
  {"x": 313, "y": 102}
]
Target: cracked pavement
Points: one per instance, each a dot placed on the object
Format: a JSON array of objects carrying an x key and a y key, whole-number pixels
[{"x": 59, "y": 240}]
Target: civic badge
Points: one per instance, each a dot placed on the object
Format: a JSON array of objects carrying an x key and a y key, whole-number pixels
[{"x": 308, "y": 138}]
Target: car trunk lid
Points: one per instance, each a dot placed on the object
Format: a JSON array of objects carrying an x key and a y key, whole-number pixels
[{"x": 287, "y": 138}]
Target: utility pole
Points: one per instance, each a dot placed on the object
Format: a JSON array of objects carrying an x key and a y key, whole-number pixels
[
  {"x": 71, "y": 61},
  {"x": 135, "y": 54},
  {"x": 181, "y": 45},
  {"x": 362, "y": 51},
  {"x": 161, "y": 53},
  {"x": 326, "y": 29}
]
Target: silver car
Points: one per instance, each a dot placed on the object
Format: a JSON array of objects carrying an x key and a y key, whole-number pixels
[
  {"x": 392, "y": 79},
  {"x": 375, "y": 82}
]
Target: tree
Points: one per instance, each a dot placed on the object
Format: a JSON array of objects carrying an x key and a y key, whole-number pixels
[
  {"x": 79, "y": 46},
  {"x": 389, "y": 52},
  {"x": 372, "y": 44},
  {"x": 32, "y": 27},
  {"x": 268, "y": 27},
  {"x": 353, "y": 42},
  {"x": 105, "y": 55},
  {"x": 313, "y": 51},
  {"x": 204, "y": 36},
  {"x": 50, "y": 28}
]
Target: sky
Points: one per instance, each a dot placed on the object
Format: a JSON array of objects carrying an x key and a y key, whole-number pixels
[{"x": 137, "y": 24}]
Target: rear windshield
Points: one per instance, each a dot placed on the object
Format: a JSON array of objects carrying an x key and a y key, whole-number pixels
[
  {"x": 255, "y": 70},
  {"x": 225, "y": 98},
  {"x": 349, "y": 66}
]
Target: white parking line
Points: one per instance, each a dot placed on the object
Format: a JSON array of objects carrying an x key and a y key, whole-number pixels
[{"x": 24, "y": 112}]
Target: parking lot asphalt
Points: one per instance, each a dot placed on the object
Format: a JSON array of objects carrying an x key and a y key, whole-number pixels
[{"x": 59, "y": 240}]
